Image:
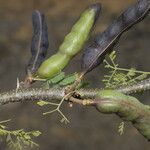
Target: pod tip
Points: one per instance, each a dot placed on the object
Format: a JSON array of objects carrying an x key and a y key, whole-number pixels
[{"x": 97, "y": 8}]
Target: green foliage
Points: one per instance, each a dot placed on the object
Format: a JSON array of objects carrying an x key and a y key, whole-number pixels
[
  {"x": 62, "y": 80},
  {"x": 42, "y": 103},
  {"x": 57, "y": 78},
  {"x": 69, "y": 79},
  {"x": 57, "y": 106},
  {"x": 121, "y": 128},
  {"x": 17, "y": 139},
  {"x": 120, "y": 76}
]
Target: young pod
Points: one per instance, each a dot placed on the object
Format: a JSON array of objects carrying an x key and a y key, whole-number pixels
[
  {"x": 128, "y": 108},
  {"x": 71, "y": 45},
  {"x": 39, "y": 43},
  {"x": 104, "y": 42}
]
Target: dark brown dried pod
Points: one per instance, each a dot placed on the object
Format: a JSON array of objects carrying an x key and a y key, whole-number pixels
[
  {"x": 104, "y": 42},
  {"x": 39, "y": 44}
]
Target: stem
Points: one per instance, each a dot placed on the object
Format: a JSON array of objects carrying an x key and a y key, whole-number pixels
[
  {"x": 126, "y": 107},
  {"x": 59, "y": 93},
  {"x": 127, "y": 70},
  {"x": 49, "y": 112},
  {"x": 31, "y": 94}
]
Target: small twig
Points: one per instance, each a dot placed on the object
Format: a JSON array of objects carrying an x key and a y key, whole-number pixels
[
  {"x": 115, "y": 67},
  {"x": 1, "y": 122},
  {"x": 127, "y": 70},
  {"x": 85, "y": 102},
  {"x": 57, "y": 109}
]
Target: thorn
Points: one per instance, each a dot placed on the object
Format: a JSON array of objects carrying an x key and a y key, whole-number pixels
[{"x": 18, "y": 85}]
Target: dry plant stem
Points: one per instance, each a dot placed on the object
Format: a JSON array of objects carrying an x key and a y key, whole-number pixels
[
  {"x": 85, "y": 102},
  {"x": 41, "y": 94},
  {"x": 31, "y": 94},
  {"x": 58, "y": 94}
]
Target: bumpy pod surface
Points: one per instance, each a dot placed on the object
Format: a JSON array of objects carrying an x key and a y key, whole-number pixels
[
  {"x": 127, "y": 107},
  {"x": 39, "y": 44},
  {"x": 72, "y": 44},
  {"x": 104, "y": 43}
]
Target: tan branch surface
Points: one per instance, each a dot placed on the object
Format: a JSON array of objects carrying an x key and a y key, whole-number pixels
[{"x": 106, "y": 101}]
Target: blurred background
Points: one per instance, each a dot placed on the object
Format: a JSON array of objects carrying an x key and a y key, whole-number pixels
[{"x": 88, "y": 128}]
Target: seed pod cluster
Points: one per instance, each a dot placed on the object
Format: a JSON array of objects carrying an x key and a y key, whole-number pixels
[
  {"x": 72, "y": 43},
  {"x": 104, "y": 42},
  {"x": 39, "y": 43}
]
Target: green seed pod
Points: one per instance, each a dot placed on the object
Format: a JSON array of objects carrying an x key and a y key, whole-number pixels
[
  {"x": 72, "y": 44},
  {"x": 115, "y": 102},
  {"x": 56, "y": 63},
  {"x": 75, "y": 40},
  {"x": 127, "y": 107}
]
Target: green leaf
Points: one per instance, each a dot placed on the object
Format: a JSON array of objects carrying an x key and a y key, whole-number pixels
[
  {"x": 119, "y": 76},
  {"x": 69, "y": 79},
  {"x": 36, "y": 133},
  {"x": 131, "y": 72},
  {"x": 112, "y": 56},
  {"x": 42, "y": 103},
  {"x": 58, "y": 78},
  {"x": 26, "y": 136},
  {"x": 2, "y": 126},
  {"x": 121, "y": 128}
]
